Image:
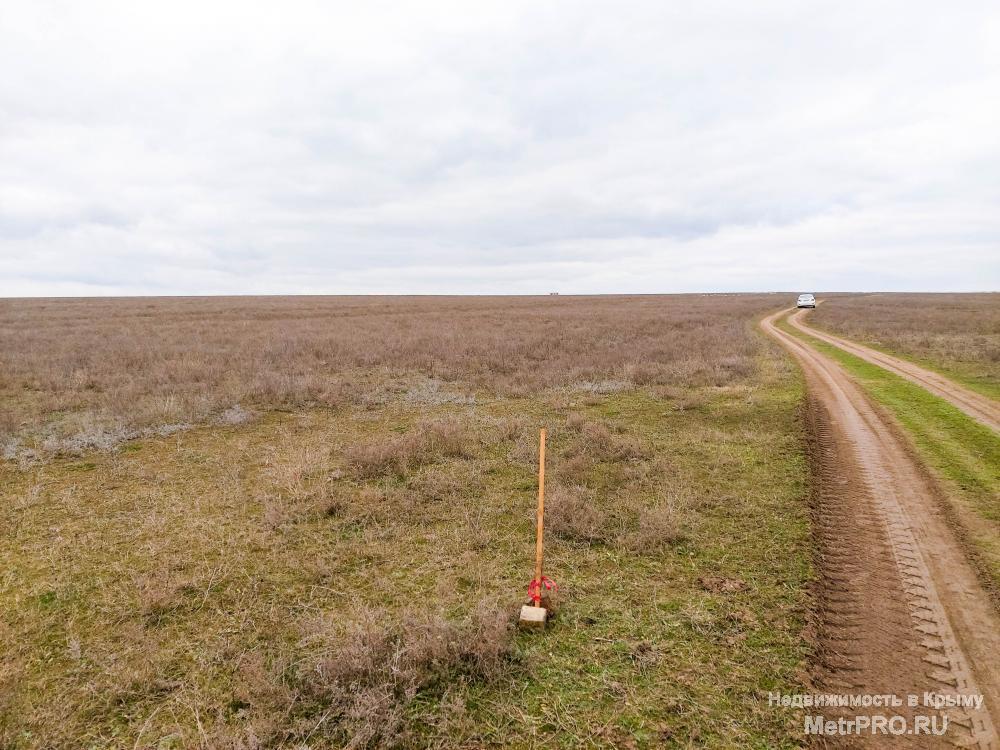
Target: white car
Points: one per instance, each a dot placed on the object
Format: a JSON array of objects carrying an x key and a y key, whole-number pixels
[{"x": 806, "y": 300}]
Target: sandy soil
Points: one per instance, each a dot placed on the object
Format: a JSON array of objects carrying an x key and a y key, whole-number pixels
[
  {"x": 900, "y": 608},
  {"x": 979, "y": 407}
]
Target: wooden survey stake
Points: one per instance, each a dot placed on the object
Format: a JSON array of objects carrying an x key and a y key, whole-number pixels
[
  {"x": 540, "y": 518},
  {"x": 534, "y": 615}
]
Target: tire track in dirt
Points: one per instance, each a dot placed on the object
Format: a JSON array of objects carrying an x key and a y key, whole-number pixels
[
  {"x": 981, "y": 408},
  {"x": 900, "y": 608}
]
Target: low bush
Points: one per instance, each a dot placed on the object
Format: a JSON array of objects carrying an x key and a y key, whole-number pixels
[
  {"x": 570, "y": 513},
  {"x": 376, "y": 670},
  {"x": 657, "y": 527},
  {"x": 596, "y": 440},
  {"x": 428, "y": 441}
]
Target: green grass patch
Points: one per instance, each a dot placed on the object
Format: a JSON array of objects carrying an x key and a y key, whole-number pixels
[
  {"x": 976, "y": 378},
  {"x": 963, "y": 454}
]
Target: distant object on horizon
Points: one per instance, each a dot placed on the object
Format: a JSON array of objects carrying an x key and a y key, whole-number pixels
[
  {"x": 553, "y": 294},
  {"x": 806, "y": 300}
]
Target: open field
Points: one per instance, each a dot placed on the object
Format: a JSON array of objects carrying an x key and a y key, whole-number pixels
[
  {"x": 80, "y": 374},
  {"x": 956, "y": 334},
  {"x": 338, "y": 560}
]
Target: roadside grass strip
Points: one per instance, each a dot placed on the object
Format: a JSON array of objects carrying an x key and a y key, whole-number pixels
[{"x": 963, "y": 454}]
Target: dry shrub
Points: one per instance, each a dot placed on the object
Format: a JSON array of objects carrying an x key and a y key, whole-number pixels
[
  {"x": 605, "y": 387},
  {"x": 382, "y": 506},
  {"x": 445, "y": 436},
  {"x": 389, "y": 456},
  {"x": 573, "y": 513},
  {"x": 372, "y": 506},
  {"x": 511, "y": 428},
  {"x": 156, "y": 598},
  {"x": 260, "y": 684},
  {"x": 9, "y": 450},
  {"x": 722, "y": 584},
  {"x": 436, "y": 486},
  {"x": 595, "y": 440},
  {"x": 570, "y": 513},
  {"x": 525, "y": 451},
  {"x": 478, "y": 526},
  {"x": 299, "y": 487},
  {"x": 648, "y": 373},
  {"x": 89, "y": 435},
  {"x": 262, "y": 697},
  {"x": 574, "y": 470},
  {"x": 353, "y": 684},
  {"x": 428, "y": 441},
  {"x": 657, "y": 527},
  {"x": 372, "y": 674},
  {"x": 279, "y": 511},
  {"x": 688, "y": 403}
]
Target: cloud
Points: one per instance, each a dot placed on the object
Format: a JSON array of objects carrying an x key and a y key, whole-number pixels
[{"x": 506, "y": 147}]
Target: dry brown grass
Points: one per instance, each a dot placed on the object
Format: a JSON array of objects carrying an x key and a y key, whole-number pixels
[
  {"x": 360, "y": 677},
  {"x": 79, "y": 374},
  {"x": 373, "y": 672},
  {"x": 596, "y": 441},
  {"x": 625, "y": 519},
  {"x": 657, "y": 526},
  {"x": 958, "y": 332},
  {"x": 430, "y": 439},
  {"x": 573, "y": 514}
]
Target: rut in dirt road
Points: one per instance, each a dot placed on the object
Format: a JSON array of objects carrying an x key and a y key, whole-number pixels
[
  {"x": 981, "y": 408},
  {"x": 900, "y": 608}
]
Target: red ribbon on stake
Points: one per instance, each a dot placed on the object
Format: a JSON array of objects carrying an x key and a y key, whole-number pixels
[{"x": 536, "y": 586}]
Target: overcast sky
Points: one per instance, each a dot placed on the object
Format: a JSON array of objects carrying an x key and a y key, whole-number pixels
[{"x": 509, "y": 147}]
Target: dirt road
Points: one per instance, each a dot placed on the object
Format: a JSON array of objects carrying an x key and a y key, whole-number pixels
[
  {"x": 900, "y": 609},
  {"x": 976, "y": 405}
]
